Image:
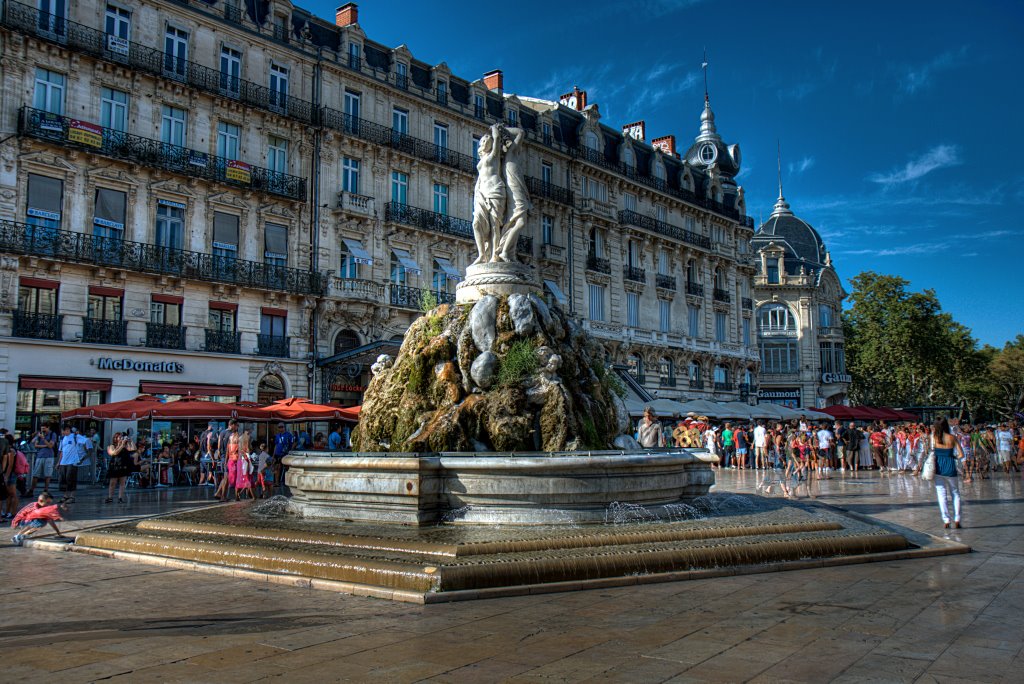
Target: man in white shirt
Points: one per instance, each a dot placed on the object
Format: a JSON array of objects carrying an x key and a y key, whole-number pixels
[
  {"x": 1004, "y": 448},
  {"x": 73, "y": 448},
  {"x": 760, "y": 446},
  {"x": 824, "y": 448}
]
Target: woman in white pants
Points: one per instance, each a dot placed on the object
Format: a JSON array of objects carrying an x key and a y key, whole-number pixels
[{"x": 947, "y": 453}]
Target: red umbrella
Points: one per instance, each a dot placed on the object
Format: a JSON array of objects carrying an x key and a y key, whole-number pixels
[
  {"x": 841, "y": 412},
  {"x": 296, "y": 409},
  {"x": 907, "y": 415},
  {"x": 139, "y": 408},
  {"x": 195, "y": 408}
]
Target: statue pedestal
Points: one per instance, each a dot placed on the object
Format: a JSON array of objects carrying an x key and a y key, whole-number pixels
[{"x": 500, "y": 279}]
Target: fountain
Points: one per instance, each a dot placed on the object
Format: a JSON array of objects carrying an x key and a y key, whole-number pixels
[{"x": 490, "y": 459}]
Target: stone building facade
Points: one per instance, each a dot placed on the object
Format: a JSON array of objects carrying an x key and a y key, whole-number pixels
[
  {"x": 798, "y": 297},
  {"x": 265, "y": 199}
]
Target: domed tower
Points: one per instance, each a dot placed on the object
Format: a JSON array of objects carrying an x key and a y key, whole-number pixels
[{"x": 798, "y": 298}]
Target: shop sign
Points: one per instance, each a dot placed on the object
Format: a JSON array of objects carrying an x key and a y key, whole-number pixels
[
  {"x": 772, "y": 394},
  {"x": 107, "y": 363},
  {"x": 832, "y": 378},
  {"x": 348, "y": 388}
]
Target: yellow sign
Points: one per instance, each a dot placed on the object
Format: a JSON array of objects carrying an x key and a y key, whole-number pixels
[
  {"x": 85, "y": 133},
  {"x": 239, "y": 171}
]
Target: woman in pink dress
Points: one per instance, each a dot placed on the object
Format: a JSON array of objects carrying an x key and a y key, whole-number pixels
[{"x": 243, "y": 476}]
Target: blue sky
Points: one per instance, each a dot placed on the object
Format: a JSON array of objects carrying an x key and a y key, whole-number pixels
[{"x": 900, "y": 122}]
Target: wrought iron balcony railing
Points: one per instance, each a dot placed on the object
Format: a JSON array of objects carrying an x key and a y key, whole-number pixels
[
  {"x": 598, "y": 264},
  {"x": 721, "y": 295},
  {"x": 666, "y": 382},
  {"x": 272, "y": 345},
  {"x": 696, "y": 383},
  {"x": 73, "y": 133},
  {"x": 357, "y": 288},
  {"x": 632, "y": 218},
  {"x": 747, "y": 303},
  {"x": 665, "y": 282},
  {"x": 100, "y": 45},
  {"x": 233, "y": 13},
  {"x": 428, "y": 220},
  {"x": 408, "y": 297},
  {"x": 100, "y": 331},
  {"x": 223, "y": 341},
  {"x": 723, "y": 386},
  {"x": 66, "y": 245},
  {"x": 637, "y": 275},
  {"x": 555, "y": 193},
  {"x": 38, "y": 326},
  {"x": 830, "y": 330},
  {"x": 403, "y": 142},
  {"x": 695, "y": 289},
  {"x": 165, "y": 336}
]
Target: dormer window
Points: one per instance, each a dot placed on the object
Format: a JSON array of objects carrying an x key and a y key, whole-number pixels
[
  {"x": 772, "y": 271},
  {"x": 628, "y": 158},
  {"x": 354, "y": 59},
  {"x": 513, "y": 117},
  {"x": 659, "y": 171},
  {"x": 590, "y": 141},
  {"x": 402, "y": 75},
  {"x": 442, "y": 92}
]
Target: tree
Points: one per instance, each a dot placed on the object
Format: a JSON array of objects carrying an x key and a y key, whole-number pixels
[{"x": 1007, "y": 373}]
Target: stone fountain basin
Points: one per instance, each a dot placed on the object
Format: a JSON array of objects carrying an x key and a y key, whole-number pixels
[{"x": 494, "y": 488}]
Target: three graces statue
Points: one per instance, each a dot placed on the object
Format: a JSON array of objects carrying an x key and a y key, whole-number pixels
[{"x": 501, "y": 200}]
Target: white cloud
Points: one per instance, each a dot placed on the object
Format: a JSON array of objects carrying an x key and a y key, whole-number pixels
[
  {"x": 920, "y": 76},
  {"x": 796, "y": 168},
  {"x": 939, "y": 157}
]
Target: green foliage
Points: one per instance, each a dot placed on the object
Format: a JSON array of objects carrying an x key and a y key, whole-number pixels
[
  {"x": 1006, "y": 367},
  {"x": 428, "y": 301},
  {"x": 519, "y": 362},
  {"x": 615, "y": 385},
  {"x": 434, "y": 326},
  {"x": 588, "y": 431}
]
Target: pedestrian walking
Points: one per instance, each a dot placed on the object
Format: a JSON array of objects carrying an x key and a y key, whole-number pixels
[
  {"x": 122, "y": 462},
  {"x": 947, "y": 452},
  {"x": 8, "y": 461},
  {"x": 44, "y": 442},
  {"x": 648, "y": 430},
  {"x": 73, "y": 448}
]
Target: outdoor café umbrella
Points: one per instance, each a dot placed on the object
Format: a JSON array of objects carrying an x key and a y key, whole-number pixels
[
  {"x": 736, "y": 409},
  {"x": 840, "y": 412},
  {"x": 195, "y": 408},
  {"x": 298, "y": 409},
  {"x": 769, "y": 411},
  {"x": 139, "y": 408},
  {"x": 702, "y": 407},
  {"x": 667, "y": 407}
]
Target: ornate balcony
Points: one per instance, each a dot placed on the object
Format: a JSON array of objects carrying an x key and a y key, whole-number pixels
[
  {"x": 81, "y": 135},
  {"x": 598, "y": 264},
  {"x": 38, "y": 326},
  {"x": 357, "y": 204},
  {"x": 553, "y": 253},
  {"x": 100, "y": 331},
  {"x": 555, "y": 193},
  {"x": 631, "y": 218},
  {"x": 272, "y": 345},
  {"x": 163, "y": 336},
  {"x": 66, "y": 245},
  {"x": 696, "y": 384},
  {"x": 86, "y": 40},
  {"x": 406, "y": 297},
  {"x": 634, "y": 274},
  {"x": 694, "y": 289},
  {"x": 666, "y": 382},
  {"x": 830, "y": 331},
  {"x": 403, "y": 142},
  {"x": 665, "y": 282},
  {"x": 723, "y": 386},
  {"x": 720, "y": 295},
  {"x": 428, "y": 220},
  {"x": 358, "y": 289},
  {"x": 223, "y": 341}
]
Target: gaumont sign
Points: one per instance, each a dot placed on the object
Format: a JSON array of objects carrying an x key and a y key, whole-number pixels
[
  {"x": 107, "y": 363},
  {"x": 830, "y": 378}
]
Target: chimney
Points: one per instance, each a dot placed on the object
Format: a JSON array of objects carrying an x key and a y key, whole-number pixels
[
  {"x": 637, "y": 131},
  {"x": 667, "y": 144},
  {"x": 347, "y": 14},
  {"x": 494, "y": 80},
  {"x": 577, "y": 99}
]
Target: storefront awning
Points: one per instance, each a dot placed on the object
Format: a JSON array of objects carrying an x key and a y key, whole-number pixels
[
  {"x": 45, "y": 383},
  {"x": 556, "y": 292},
  {"x": 403, "y": 258},
  {"x": 359, "y": 254},
  {"x": 449, "y": 270},
  {"x": 186, "y": 389}
]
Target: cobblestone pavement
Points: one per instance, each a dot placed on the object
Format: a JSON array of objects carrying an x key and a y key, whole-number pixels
[{"x": 75, "y": 618}]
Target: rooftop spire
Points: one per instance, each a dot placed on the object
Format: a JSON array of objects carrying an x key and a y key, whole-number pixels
[
  {"x": 707, "y": 117},
  {"x": 704, "y": 67},
  {"x": 781, "y": 206}
]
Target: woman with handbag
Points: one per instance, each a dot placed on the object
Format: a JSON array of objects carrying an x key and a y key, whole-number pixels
[{"x": 947, "y": 451}]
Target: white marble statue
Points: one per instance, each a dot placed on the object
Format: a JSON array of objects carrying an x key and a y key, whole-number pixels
[{"x": 501, "y": 201}]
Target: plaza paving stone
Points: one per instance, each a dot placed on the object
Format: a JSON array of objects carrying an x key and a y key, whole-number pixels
[{"x": 76, "y": 618}]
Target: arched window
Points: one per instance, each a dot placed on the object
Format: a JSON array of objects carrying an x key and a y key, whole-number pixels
[
  {"x": 590, "y": 140},
  {"x": 775, "y": 319},
  {"x": 721, "y": 377},
  {"x": 825, "y": 316},
  {"x": 666, "y": 372},
  {"x": 345, "y": 340},
  {"x": 270, "y": 389},
  {"x": 636, "y": 366},
  {"x": 749, "y": 378},
  {"x": 695, "y": 372}
]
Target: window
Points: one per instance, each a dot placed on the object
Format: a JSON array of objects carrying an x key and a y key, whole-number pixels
[
  {"x": 633, "y": 309},
  {"x": 595, "y": 189},
  {"x": 118, "y": 27},
  {"x": 173, "y": 124},
  {"x": 442, "y": 91},
  {"x": 114, "y": 109},
  {"x": 666, "y": 371},
  {"x": 513, "y": 117},
  {"x": 659, "y": 170},
  {"x": 476, "y": 148},
  {"x": 275, "y": 244},
  {"x": 746, "y": 332},
  {"x": 52, "y": 17},
  {"x": 719, "y": 279},
  {"x": 441, "y": 199},
  {"x": 49, "y": 92},
  {"x": 720, "y": 327},
  {"x": 221, "y": 320},
  {"x": 277, "y": 154},
  {"x": 664, "y": 315},
  {"x": 690, "y": 224},
  {"x": 45, "y": 201},
  {"x": 833, "y": 358},
  {"x": 662, "y": 262},
  {"x": 629, "y": 201},
  {"x": 401, "y": 75},
  {"x": 693, "y": 320},
  {"x": 400, "y": 120},
  {"x": 399, "y": 187},
  {"x": 596, "y": 243},
  {"x": 546, "y": 172},
  {"x": 695, "y": 371},
  {"x": 692, "y": 277},
  {"x": 37, "y": 300},
  {"x": 661, "y": 213},
  {"x": 399, "y": 274},
  {"x": 272, "y": 325},
  {"x": 109, "y": 213},
  {"x": 545, "y": 129},
  {"x": 590, "y": 141},
  {"x": 349, "y": 263},
  {"x": 439, "y": 279},
  {"x": 104, "y": 307},
  {"x": 547, "y": 229},
  {"x": 775, "y": 318},
  {"x": 278, "y": 86},
  {"x": 169, "y": 313},
  {"x": 824, "y": 316},
  {"x": 721, "y": 376},
  {"x": 175, "y": 52},
  {"x": 225, "y": 235},
  {"x": 350, "y": 175},
  {"x": 773, "y": 271},
  {"x": 628, "y": 157},
  {"x": 596, "y": 293},
  {"x": 230, "y": 70},
  {"x": 352, "y": 103},
  {"x": 354, "y": 61},
  {"x": 228, "y": 136},
  {"x": 170, "y": 224},
  {"x": 636, "y": 366},
  {"x": 779, "y": 357},
  {"x": 441, "y": 136},
  {"x": 633, "y": 254}
]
